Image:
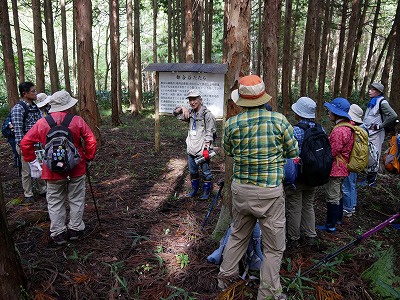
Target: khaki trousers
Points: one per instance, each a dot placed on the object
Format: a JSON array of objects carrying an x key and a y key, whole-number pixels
[
  {"x": 250, "y": 203},
  {"x": 27, "y": 179},
  {"x": 300, "y": 216},
  {"x": 58, "y": 192}
]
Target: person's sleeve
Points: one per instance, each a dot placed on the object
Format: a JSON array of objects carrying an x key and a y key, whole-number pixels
[
  {"x": 226, "y": 142},
  {"x": 290, "y": 144},
  {"x": 388, "y": 113},
  {"x": 90, "y": 143},
  {"x": 210, "y": 127},
  {"x": 17, "y": 119},
  {"x": 27, "y": 144}
]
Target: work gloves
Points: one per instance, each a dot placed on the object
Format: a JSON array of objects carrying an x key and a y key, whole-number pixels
[
  {"x": 206, "y": 154},
  {"x": 36, "y": 169}
]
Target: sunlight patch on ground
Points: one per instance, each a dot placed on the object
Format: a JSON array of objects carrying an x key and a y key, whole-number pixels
[{"x": 176, "y": 168}]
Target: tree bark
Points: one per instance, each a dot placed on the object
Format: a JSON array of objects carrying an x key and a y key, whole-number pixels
[
  {"x": 286, "y": 78},
  {"x": 351, "y": 38},
  {"x": 306, "y": 48},
  {"x": 237, "y": 41},
  {"x": 189, "y": 57},
  {"x": 208, "y": 26},
  {"x": 39, "y": 57},
  {"x": 339, "y": 59},
  {"x": 67, "y": 80},
  {"x": 395, "y": 87},
  {"x": 12, "y": 277},
  {"x": 272, "y": 14},
  {"x": 198, "y": 12},
  {"x": 86, "y": 88},
  {"x": 8, "y": 56},
  {"x": 51, "y": 49},
  {"x": 114, "y": 47},
  {"x": 388, "y": 61},
  {"x": 170, "y": 26},
  {"x": 131, "y": 65},
  {"x": 21, "y": 67},
  {"x": 137, "y": 56}
]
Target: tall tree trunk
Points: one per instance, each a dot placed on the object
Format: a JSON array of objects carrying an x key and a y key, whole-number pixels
[
  {"x": 237, "y": 40},
  {"x": 182, "y": 45},
  {"x": 108, "y": 63},
  {"x": 8, "y": 56},
  {"x": 67, "y": 80},
  {"x": 306, "y": 48},
  {"x": 137, "y": 56},
  {"x": 74, "y": 65},
  {"x": 286, "y": 78},
  {"x": 315, "y": 39},
  {"x": 39, "y": 57},
  {"x": 208, "y": 26},
  {"x": 388, "y": 61},
  {"x": 260, "y": 36},
  {"x": 21, "y": 67},
  {"x": 114, "y": 47},
  {"x": 12, "y": 277},
  {"x": 86, "y": 89},
  {"x": 370, "y": 50},
  {"x": 198, "y": 12},
  {"x": 351, "y": 38},
  {"x": 272, "y": 14},
  {"x": 155, "y": 13},
  {"x": 324, "y": 56},
  {"x": 360, "y": 27},
  {"x": 293, "y": 49},
  {"x": 131, "y": 65},
  {"x": 170, "y": 26},
  {"x": 339, "y": 59},
  {"x": 51, "y": 49},
  {"x": 189, "y": 58},
  {"x": 395, "y": 87}
]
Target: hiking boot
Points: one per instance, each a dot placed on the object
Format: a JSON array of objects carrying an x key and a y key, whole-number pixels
[
  {"x": 310, "y": 241},
  {"x": 28, "y": 200},
  {"x": 75, "y": 234},
  {"x": 347, "y": 213},
  {"x": 61, "y": 239},
  {"x": 325, "y": 228},
  {"x": 292, "y": 244}
]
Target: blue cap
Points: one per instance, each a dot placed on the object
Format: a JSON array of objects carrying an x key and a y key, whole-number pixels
[{"x": 339, "y": 107}]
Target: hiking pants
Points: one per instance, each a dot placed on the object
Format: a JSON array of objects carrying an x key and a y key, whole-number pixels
[
  {"x": 333, "y": 190},
  {"x": 59, "y": 191},
  {"x": 249, "y": 203},
  {"x": 300, "y": 216},
  {"x": 27, "y": 179}
]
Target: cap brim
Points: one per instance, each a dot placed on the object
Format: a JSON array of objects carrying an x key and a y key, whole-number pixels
[
  {"x": 337, "y": 111},
  {"x": 235, "y": 95},
  {"x": 252, "y": 102},
  {"x": 44, "y": 102}
]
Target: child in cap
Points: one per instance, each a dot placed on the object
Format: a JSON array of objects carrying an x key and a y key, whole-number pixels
[
  {"x": 341, "y": 140},
  {"x": 199, "y": 140}
]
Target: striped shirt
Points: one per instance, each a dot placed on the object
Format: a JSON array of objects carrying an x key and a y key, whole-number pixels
[
  {"x": 259, "y": 141},
  {"x": 21, "y": 125}
]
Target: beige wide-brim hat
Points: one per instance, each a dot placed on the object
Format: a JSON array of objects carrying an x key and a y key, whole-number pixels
[
  {"x": 42, "y": 99},
  {"x": 251, "y": 92},
  {"x": 61, "y": 101},
  {"x": 356, "y": 113}
]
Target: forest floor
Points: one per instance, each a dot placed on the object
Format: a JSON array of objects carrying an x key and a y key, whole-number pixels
[{"x": 150, "y": 245}]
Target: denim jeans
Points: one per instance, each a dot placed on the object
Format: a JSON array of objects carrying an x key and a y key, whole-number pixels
[
  {"x": 194, "y": 168},
  {"x": 349, "y": 189}
]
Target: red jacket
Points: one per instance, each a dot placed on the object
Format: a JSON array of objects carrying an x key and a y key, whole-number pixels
[
  {"x": 341, "y": 140},
  {"x": 79, "y": 130}
]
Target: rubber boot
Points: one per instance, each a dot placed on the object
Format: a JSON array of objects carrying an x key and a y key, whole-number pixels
[
  {"x": 206, "y": 190},
  {"x": 340, "y": 213},
  {"x": 195, "y": 186},
  {"x": 331, "y": 218}
]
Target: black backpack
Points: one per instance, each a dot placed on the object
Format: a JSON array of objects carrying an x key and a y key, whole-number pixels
[
  {"x": 315, "y": 156},
  {"x": 60, "y": 153},
  {"x": 6, "y": 130}
]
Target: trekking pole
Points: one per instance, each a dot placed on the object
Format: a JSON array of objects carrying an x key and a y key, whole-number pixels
[
  {"x": 352, "y": 244},
  {"x": 91, "y": 190},
  {"x": 221, "y": 185}
]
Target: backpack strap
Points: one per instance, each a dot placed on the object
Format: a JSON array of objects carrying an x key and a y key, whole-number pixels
[
  {"x": 50, "y": 121},
  {"x": 67, "y": 120},
  {"x": 23, "y": 104}
]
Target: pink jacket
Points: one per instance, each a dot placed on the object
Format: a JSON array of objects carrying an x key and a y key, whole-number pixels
[
  {"x": 79, "y": 130},
  {"x": 341, "y": 140}
]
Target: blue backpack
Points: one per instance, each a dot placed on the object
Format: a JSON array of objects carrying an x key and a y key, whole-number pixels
[{"x": 7, "y": 129}]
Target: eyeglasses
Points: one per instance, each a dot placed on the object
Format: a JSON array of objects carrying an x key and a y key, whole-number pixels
[{"x": 32, "y": 91}]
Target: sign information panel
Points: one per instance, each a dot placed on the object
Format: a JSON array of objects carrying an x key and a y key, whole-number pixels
[{"x": 173, "y": 87}]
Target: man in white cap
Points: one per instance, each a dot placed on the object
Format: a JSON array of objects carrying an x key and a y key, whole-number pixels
[
  {"x": 199, "y": 140},
  {"x": 259, "y": 141},
  {"x": 68, "y": 186},
  {"x": 378, "y": 115}
]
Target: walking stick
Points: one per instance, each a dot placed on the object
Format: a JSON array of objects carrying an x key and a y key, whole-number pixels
[
  {"x": 352, "y": 244},
  {"x": 221, "y": 185},
  {"x": 91, "y": 190}
]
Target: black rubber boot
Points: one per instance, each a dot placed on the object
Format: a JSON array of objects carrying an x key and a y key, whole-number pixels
[{"x": 331, "y": 218}]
